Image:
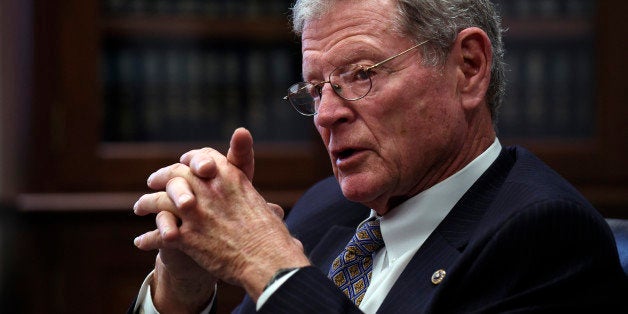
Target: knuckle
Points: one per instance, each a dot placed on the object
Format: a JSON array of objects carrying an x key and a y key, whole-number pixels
[
  {"x": 163, "y": 203},
  {"x": 207, "y": 150},
  {"x": 177, "y": 168},
  {"x": 162, "y": 215},
  {"x": 173, "y": 182},
  {"x": 193, "y": 152}
]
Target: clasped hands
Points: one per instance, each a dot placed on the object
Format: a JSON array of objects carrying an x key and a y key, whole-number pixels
[{"x": 213, "y": 224}]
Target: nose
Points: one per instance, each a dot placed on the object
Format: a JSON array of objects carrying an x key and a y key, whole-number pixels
[{"x": 332, "y": 109}]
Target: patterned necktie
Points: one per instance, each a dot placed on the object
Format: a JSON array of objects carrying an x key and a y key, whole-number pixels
[{"x": 351, "y": 270}]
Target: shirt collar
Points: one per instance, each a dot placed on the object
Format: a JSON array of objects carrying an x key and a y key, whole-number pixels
[{"x": 408, "y": 226}]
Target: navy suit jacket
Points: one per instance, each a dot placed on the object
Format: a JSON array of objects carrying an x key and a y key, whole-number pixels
[{"x": 521, "y": 239}]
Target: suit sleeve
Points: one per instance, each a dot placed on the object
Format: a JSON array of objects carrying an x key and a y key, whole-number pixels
[{"x": 309, "y": 291}]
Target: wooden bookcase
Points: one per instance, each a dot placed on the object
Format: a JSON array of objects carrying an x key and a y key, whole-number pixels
[
  {"x": 69, "y": 105},
  {"x": 67, "y": 115},
  {"x": 592, "y": 160}
]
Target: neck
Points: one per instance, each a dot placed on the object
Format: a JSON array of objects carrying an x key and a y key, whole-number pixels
[{"x": 480, "y": 137}]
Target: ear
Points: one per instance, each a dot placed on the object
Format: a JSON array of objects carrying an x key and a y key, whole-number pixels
[{"x": 473, "y": 55}]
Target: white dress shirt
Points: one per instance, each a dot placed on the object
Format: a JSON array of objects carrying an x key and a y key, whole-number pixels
[{"x": 404, "y": 230}]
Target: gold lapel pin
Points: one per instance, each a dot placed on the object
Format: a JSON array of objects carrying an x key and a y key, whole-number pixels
[{"x": 438, "y": 276}]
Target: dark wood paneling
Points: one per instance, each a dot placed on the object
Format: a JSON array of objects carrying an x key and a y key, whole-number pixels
[{"x": 83, "y": 262}]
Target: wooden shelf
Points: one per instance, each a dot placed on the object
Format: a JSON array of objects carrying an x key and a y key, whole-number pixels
[
  {"x": 548, "y": 28},
  {"x": 116, "y": 201},
  {"x": 266, "y": 29},
  {"x": 173, "y": 150},
  {"x": 72, "y": 202}
]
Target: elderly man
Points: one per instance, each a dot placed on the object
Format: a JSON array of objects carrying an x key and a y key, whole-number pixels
[{"x": 404, "y": 95}]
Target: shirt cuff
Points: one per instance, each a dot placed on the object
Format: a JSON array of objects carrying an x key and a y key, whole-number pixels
[
  {"x": 145, "y": 301},
  {"x": 268, "y": 292}
]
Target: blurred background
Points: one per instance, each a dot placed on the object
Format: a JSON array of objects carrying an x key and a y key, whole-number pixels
[{"x": 97, "y": 94}]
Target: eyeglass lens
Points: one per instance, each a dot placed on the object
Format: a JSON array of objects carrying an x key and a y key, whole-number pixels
[{"x": 350, "y": 82}]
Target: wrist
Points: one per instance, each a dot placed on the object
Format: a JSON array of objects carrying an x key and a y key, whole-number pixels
[
  {"x": 259, "y": 279},
  {"x": 171, "y": 294},
  {"x": 278, "y": 275}
]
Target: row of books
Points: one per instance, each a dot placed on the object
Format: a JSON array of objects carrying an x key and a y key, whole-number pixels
[
  {"x": 203, "y": 92},
  {"x": 209, "y": 8},
  {"x": 184, "y": 94},
  {"x": 550, "y": 91},
  {"x": 546, "y": 8},
  {"x": 254, "y": 8}
]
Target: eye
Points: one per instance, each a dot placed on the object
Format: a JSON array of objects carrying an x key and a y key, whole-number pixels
[
  {"x": 317, "y": 91},
  {"x": 356, "y": 74},
  {"x": 361, "y": 74}
]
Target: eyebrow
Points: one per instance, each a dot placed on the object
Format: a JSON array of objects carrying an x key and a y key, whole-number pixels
[
  {"x": 359, "y": 54},
  {"x": 354, "y": 56},
  {"x": 351, "y": 57}
]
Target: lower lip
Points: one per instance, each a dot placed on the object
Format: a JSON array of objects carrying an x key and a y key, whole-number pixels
[{"x": 351, "y": 161}]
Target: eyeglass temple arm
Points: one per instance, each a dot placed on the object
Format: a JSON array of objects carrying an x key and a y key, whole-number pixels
[{"x": 397, "y": 55}]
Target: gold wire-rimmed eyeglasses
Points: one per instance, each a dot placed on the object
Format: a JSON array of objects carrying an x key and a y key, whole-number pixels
[{"x": 350, "y": 82}]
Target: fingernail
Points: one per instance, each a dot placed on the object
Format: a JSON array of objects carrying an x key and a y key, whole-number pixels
[
  {"x": 183, "y": 199},
  {"x": 135, "y": 206},
  {"x": 183, "y": 157},
  {"x": 150, "y": 178},
  {"x": 137, "y": 241},
  {"x": 163, "y": 233},
  {"x": 201, "y": 164}
]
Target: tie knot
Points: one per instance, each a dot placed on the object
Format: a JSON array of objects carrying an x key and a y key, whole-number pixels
[{"x": 367, "y": 239}]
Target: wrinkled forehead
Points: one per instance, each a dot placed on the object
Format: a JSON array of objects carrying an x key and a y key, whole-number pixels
[{"x": 349, "y": 34}]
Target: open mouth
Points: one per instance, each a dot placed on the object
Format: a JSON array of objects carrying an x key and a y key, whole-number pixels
[{"x": 345, "y": 153}]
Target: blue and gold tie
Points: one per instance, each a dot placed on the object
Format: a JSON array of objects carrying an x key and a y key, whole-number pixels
[{"x": 351, "y": 270}]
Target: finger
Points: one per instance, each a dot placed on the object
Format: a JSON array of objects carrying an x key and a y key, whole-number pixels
[
  {"x": 167, "y": 231},
  {"x": 148, "y": 241},
  {"x": 158, "y": 179},
  {"x": 240, "y": 152},
  {"x": 276, "y": 209},
  {"x": 298, "y": 243},
  {"x": 168, "y": 227},
  {"x": 201, "y": 162},
  {"x": 180, "y": 192},
  {"x": 154, "y": 203},
  {"x": 203, "y": 165},
  {"x": 187, "y": 157}
]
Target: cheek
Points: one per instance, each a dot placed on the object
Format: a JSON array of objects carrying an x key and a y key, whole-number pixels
[
  {"x": 429, "y": 109},
  {"x": 415, "y": 128}
]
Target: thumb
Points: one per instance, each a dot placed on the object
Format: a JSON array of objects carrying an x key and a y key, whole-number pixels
[{"x": 240, "y": 152}]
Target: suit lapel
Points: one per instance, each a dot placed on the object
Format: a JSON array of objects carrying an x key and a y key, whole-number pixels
[
  {"x": 414, "y": 289},
  {"x": 330, "y": 246}
]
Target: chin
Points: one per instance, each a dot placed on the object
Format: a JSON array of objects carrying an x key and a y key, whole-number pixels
[{"x": 359, "y": 188}]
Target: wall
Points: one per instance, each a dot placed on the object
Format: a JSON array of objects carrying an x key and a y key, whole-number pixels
[{"x": 15, "y": 75}]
